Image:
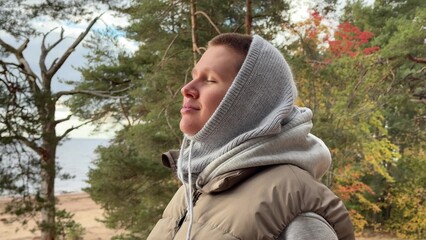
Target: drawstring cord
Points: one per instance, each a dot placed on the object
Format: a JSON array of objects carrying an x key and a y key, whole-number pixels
[
  {"x": 188, "y": 187},
  {"x": 190, "y": 200}
]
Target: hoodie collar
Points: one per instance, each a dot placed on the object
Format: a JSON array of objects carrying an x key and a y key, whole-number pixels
[{"x": 218, "y": 184}]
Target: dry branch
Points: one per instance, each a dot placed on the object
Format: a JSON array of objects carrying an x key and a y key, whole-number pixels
[
  {"x": 51, "y": 72},
  {"x": 104, "y": 94},
  {"x": 416, "y": 59},
  {"x": 209, "y": 19}
]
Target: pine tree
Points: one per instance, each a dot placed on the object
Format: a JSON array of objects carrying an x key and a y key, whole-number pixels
[{"x": 28, "y": 137}]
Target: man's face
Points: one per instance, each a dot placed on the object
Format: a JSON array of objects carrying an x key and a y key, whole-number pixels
[{"x": 211, "y": 78}]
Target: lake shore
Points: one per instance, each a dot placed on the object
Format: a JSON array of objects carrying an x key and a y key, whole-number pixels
[{"x": 86, "y": 212}]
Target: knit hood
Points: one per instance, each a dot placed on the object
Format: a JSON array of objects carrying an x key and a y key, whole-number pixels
[{"x": 256, "y": 124}]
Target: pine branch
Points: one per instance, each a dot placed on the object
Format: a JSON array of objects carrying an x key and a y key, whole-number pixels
[
  {"x": 69, "y": 130},
  {"x": 104, "y": 94},
  {"x": 19, "y": 137}
]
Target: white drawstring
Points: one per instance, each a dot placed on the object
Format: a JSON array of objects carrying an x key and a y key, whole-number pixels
[
  {"x": 191, "y": 204},
  {"x": 188, "y": 189}
]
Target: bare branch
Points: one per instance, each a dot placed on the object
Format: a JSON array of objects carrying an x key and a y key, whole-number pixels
[
  {"x": 22, "y": 139},
  {"x": 187, "y": 73},
  {"x": 63, "y": 119},
  {"x": 59, "y": 138},
  {"x": 45, "y": 51},
  {"x": 416, "y": 59},
  {"x": 54, "y": 62},
  {"x": 8, "y": 47},
  {"x": 18, "y": 52},
  {"x": 172, "y": 129},
  {"x": 93, "y": 119},
  {"x": 104, "y": 94},
  {"x": 28, "y": 143},
  {"x": 24, "y": 65},
  {"x": 355, "y": 88},
  {"x": 167, "y": 50},
  {"x": 51, "y": 72},
  {"x": 238, "y": 27},
  {"x": 61, "y": 38},
  {"x": 4, "y": 64},
  {"x": 209, "y": 19},
  {"x": 422, "y": 100},
  {"x": 4, "y": 82}
]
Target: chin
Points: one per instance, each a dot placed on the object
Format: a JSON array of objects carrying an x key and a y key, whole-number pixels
[
  {"x": 189, "y": 132},
  {"x": 189, "y": 127},
  {"x": 185, "y": 129}
]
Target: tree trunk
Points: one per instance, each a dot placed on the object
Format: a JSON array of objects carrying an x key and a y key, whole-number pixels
[
  {"x": 48, "y": 173},
  {"x": 193, "y": 29},
  {"x": 48, "y": 195},
  {"x": 37, "y": 107},
  {"x": 248, "y": 17}
]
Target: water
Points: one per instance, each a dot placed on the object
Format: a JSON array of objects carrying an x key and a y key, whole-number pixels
[{"x": 75, "y": 156}]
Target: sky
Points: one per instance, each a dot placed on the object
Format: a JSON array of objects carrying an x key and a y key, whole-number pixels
[{"x": 68, "y": 71}]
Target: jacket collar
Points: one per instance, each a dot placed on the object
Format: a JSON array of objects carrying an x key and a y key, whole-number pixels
[{"x": 218, "y": 184}]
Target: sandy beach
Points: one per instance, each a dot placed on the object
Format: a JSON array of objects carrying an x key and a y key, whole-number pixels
[{"x": 86, "y": 212}]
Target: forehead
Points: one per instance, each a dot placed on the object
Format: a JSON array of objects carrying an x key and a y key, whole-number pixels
[{"x": 219, "y": 59}]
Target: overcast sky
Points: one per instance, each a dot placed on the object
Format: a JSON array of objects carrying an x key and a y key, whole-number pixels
[{"x": 67, "y": 71}]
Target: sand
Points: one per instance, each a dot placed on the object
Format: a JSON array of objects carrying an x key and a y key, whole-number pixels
[{"x": 86, "y": 212}]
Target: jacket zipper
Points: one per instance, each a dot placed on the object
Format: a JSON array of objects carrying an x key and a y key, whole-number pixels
[{"x": 195, "y": 197}]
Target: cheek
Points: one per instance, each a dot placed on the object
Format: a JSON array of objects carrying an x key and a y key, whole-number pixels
[{"x": 215, "y": 100}]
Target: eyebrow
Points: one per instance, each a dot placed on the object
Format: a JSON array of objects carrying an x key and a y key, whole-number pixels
[{"x": 206, "y": 71}]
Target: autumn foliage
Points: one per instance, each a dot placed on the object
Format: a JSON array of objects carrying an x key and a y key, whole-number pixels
[
  {"x": 351, "y": 41},
  {"x": 343, "y": 75}
]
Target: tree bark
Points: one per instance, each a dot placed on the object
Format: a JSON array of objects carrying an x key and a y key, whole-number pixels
[
  {"x": 248, "y": 17},
  {"x": 46, "y": 107},
  {"x": 195, "y": 49},
  {"x": 48, "y": 210}
]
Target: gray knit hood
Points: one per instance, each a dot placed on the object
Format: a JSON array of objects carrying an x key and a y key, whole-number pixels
[{"x": 256, "y": 124}]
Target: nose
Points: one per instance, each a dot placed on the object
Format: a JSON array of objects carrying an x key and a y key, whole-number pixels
[{"x": 190, "y": 90}]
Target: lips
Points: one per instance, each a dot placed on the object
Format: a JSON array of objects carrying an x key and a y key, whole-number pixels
[{"x": 188, "y": 107}]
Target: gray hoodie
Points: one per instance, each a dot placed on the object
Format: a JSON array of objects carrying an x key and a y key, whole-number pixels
[{"x": 256, "y": 124}]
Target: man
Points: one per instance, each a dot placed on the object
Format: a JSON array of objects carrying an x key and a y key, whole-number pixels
[{"x": 248, "y": 163}]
